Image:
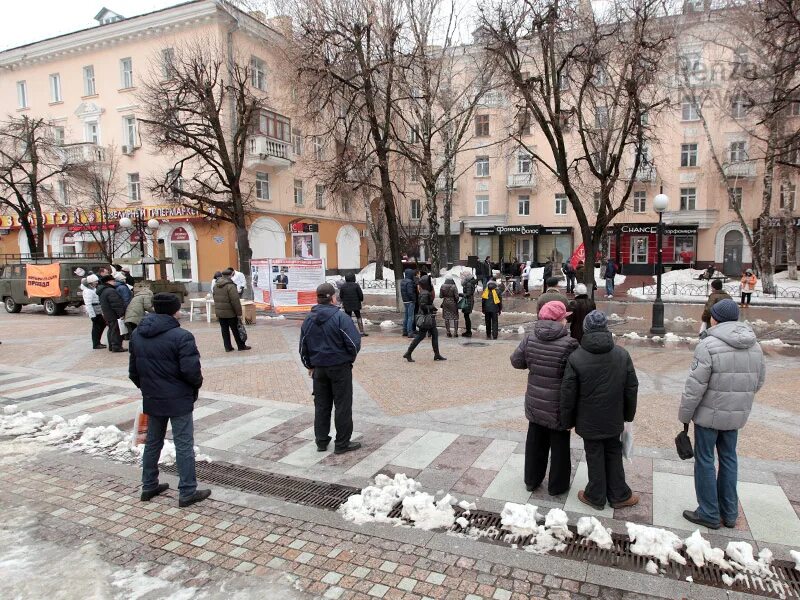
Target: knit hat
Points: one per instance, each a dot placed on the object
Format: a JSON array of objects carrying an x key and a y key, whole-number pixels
[
  {"x": 725, "y": 310},
  {"x": 580, "y": 289},
  {"x": 716, "y": 284},
  {"x": 166, "y": 304},
  {"x": 106, "y": 278},
  {"x": 553, "y": 311},
  {"x": 119, "y": 276},
  {"x": 595, "y": 321},
  {"x": 92, "y": 278},
  {"x": 552, "y": 281}
]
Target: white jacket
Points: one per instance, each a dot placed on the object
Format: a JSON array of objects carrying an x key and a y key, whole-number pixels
[
  {"x": 240, "y": 281},
  {"x": 91, "y": 301}
]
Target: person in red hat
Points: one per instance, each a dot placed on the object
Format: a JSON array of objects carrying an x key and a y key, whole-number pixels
[{"x": 544, "y": 353}]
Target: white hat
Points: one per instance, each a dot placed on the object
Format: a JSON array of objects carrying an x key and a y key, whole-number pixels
[
  {"x": 80, "y": 272},
  {"x": 92, "y": 279},
  {"x": 119, "y": 276},
  {"x": 580, "y": 289}
]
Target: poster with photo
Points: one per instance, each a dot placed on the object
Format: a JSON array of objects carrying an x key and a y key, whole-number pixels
[
  {"x": 287, "y": 284},
  {"x": 260, "y": 273}
]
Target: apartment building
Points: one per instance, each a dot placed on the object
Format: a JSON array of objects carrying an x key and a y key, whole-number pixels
[{"x": 86, "y": 83}]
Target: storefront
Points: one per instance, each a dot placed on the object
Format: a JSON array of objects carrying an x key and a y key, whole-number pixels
[
  {"x": 634, "y": 247},
  {"x": 781, "y": 258},
  {"x": 524, "y": 242}
]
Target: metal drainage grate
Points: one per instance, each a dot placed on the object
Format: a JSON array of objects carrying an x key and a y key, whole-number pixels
[{"x": 291, "y": 489}]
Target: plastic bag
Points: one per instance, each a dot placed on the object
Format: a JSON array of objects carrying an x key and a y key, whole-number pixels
[
  {"x": 139, "y": 433},
  {"x": 123, "y": 328},
  {"x": 627, "y": 441}
]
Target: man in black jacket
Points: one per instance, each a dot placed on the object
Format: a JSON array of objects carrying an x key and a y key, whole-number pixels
[
  {"x": 408, "y": 292},
  {"x": 329, "y": 344},
  {"x": 113, "y": 307},
  {"x": 165, "y": 366},
  {"x": 598, "y": 395}
]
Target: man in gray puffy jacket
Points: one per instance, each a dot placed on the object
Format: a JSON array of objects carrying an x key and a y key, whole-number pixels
[{"x": 727, "y": 370}]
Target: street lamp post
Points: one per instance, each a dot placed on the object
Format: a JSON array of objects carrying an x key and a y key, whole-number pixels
[
  {"x": 660, "y": 203},
  {"x": 141, "y": 227}
]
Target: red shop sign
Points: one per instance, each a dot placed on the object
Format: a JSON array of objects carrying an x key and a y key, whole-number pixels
[{"x": 179, "y": 234}]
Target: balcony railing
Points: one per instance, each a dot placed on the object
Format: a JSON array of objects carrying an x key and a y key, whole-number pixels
[
  {"x": 83, "y": 152},
  {"x": 742, "y": 168},
  {"x": 441, "y": 184},
  {"x": 269, "y": 151},
  {"x": 520, "y": 180},
  {"x": 646, "y": 174}
]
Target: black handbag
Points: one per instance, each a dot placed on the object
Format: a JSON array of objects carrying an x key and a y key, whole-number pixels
[
  {"x": 683, "y": 444},
  {"x": 425, "y": 322},
  {"x": 242, "y": 330}
]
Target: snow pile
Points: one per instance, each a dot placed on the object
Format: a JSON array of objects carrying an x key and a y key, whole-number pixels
[
  {"x": 777, "y": 342},
  {"x": 593, "y": 530},
  {"x": 700, "y": 551},
  {"x": 796, "y": 557},
  {"x": 741, "y": 555},
  {"x": 651, "y": 567},
  {"x": 426, "y": 513},
  {"x": 387, "y": 324},
  {"x": 680, "y": 319},
  {"x": 375, "y": 502},
  {"x": 790, "y": 324},
  {"x": 632, "y": 335},
  {"x": 672, "y": 338},
  {"x": 521, "y": 330},
  {"x": 656, "y": 543},
  {"x": 523, "y": 520},
  {"x": 271, "y": 318},
  {"x": 520, "y": 519},
  {"x": 368, "y": 273},
  {"x": 519, "y": 314},
  {"x": 615, "y": 317}
]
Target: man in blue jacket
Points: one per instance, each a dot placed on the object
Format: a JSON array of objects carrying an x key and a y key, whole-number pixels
[
  {"x": 408, "y": 292},
  {"x": 329, "y": 344},
  {"x": 165, "y": 365}
]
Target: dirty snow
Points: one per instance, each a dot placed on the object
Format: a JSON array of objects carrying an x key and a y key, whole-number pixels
[
  {"x": 656, "y": 543},
  {"x": 427, "y": 513},
  {"x": 742, "y": 558},
  {"x": 651, "y": 567},
  {"x": 593, "y": 530},
  {"x": 700, "y": 551},
  {"x": 520, "y": 519},
  {"x": 387, "y": 324},
  {"x": 375, "y": 502},
  {"x": 796, "y": 557}
]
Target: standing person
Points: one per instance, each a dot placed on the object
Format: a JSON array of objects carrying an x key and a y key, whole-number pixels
[
  {"x": 580, "y": 306},
  {"x": 608, "y": 274},
  {"x": 217, "y": 275},
  {"x": 351, "y": 296},
  {"x": 408, "y": 293},
  {"x": 486, "y": 272},
  {"x": 329, "y": 345},
  {"x": 598, "y": 395},
  {"x": 717, "y": 294},
  {"x": 91, "y": 301},
  {"x": 570, "y": 274},
  {"x": 551, "y": 294},
  {"x": 526, "y": 273},
  {"x": 113, "y": 308},
  {"x": 544, "y": 353},
  {"x": 492, "y": 306},
  {"x": 141, "y": 304},
  {"x": 748, "y": 283},
  {"x": 282, "y": 280},
  {"x": 449, "y": 295},
  {"x": 547, "y": 273},
  {"x": 165, "y": 366},
  {"x": 468, "y": 284},
  {"x": 239, "y": 280},
  {"x": 727, "y": 371},
  {"x": 122, "y": 288},
  {"x": 126, "y": 271},
  {"x": 228, "y": 308},
  {"x": 426, "y": 317}
]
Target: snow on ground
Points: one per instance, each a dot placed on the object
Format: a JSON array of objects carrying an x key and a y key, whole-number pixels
[
  {"x": 593, "y": 530},
  {"x": 796, "y": 556},
  {"x": 700, "y": 551},
  {"x": 387, "y": 324},
  {"x": 654, "y": 542},
  {"x": 741, "y": 555}
]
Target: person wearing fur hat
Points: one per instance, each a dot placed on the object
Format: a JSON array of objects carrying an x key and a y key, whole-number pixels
[
  {"x": 544, "y": 353},
  {"x": 468, "y": 285},
  {"x": 551, "y": 294},
  {"x": 112, "y": 307},
  {"x": 727, "y": 370},
  {"x": 598, "y": 396},
  {"x": 165, "y": 365},
  {"x": 91, "y": 303},
  {"x": 580, "y": 306}
]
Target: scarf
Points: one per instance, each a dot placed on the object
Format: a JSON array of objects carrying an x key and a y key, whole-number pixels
[{"x": 495, "y": 297}]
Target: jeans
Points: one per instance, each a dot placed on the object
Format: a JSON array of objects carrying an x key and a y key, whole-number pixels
[
  {"x": 606, "y": 473},
  {"x": 408, "y": 318},
  {"x": 541, "y": 442},
  {"x": 491, "y": 320},
  {"x": 609, "y": 286},
  {"x": 421, "y": 333},
  {"x": 570, "y": 284},
  {"x": 183, "y": 436},
  {"x": 716, "y": 492},
  {"x": 98, "y": 326},
  {"x": 228, "y": 325},
  {"x": 333, "y": 389}
]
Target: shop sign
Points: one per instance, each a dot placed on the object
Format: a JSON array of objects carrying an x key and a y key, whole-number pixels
[
  {"x": 482, "y": 231},
  {"x": 77, "y": 217},
  {"x": 165, "y": 213},
  {"x": 555, "y": 230},
  {"x": 304, "y": 228},
  {"x": 179, "y": 234},
  {"x": 517, "y": 229},
  {"x": 647, "y": 228},
  {"x": 219, "y": 239},
  {"x": 5, "y": 231},
  {"x": 69, "y": 238}
]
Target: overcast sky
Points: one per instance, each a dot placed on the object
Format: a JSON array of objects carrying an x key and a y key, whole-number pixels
[{"x": 25, "y": 21}]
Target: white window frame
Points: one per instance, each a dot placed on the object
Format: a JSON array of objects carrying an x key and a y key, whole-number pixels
[
  {"x": 318, "y": 147},
  {"x": 524, "y": 162},
  {"x": 738, "y": 196},
  {"x": 134, "y": 187},
  {"x": 319, "y": 197},
  {"x": 167, "y": 63},
  {"x": 524, "y": 205},
  {"x": 689, "y": 110},
  {"x": 414, "y": 176},
  {"x": 561, "y": 204},
  {"x": 596, "y": 202},
  {"x": 689, "y": 154},
  {"x": 688, "y": 198},
  {"x": 58, "y": 135},
  {"x": 258, "y": 73},
  {"x": 481, "y": 205},
  {"x": 262, "y": 186},
  {"x": 482, "y": 168},
  {"x": 737, "y": 151},
  {"x": 130, "y": 131},
  {"x": 126, "y": 72},
  {"x": 22, "y": 94},
  {"x": 636, "y": 258},
  {"x": 55, "y": 88},
  {"x": 297, "y": 142},
  {"x": 601, "y": 117},
  {"x": 415, "y": 210},
  {"x": 89, "y": 82},
  {"x": 91, "y": 132},
  {"x": 639, "y": 201},
  {"x": 739, "y": 107},
  {"x": 63, "y": 196},
  {"x": 788, "y": 195},
  {"x": 298, "y": 193}
]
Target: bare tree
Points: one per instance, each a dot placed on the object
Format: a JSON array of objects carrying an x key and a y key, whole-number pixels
[
  {"x": 202, "y": 113},
  {"x": 32, "y": 162},
  {"x": 590, "y": 84}
]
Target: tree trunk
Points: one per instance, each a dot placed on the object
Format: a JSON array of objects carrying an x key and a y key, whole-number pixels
[
  {"x": 392, "y": 227},
  {"x": 433, "y": 228},
  {"x": 766, "y": 230},
  {"x": 245, "y": 254},
  {"x": 791, "y": 247},
  {"x": 29, "y": 233},
  {"x": 766, "y": 243},
  {"x": 447, "y": 210}
]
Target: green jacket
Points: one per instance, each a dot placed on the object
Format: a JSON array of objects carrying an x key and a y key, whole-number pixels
[
  {"x": 226, "y": 299},
  {"x": 141, "y": 303}
]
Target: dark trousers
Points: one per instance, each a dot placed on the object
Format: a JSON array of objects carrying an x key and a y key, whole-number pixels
[
  {"x": 746, "y": 298},
  {"x": 606, "y": 474},
  {"x": 570, "y": 284},
  {"x": 491, "y": 324},
  {"x": 113, "y": 335},
  {"x": 333, "y": 389},
  {"x": 541, "y": 442},
  {"x": 228, "y": 325},
  {"x": 183, "y": 436},
  {"x": 98, "y": 326},
  {"x": 421, "y": 333},
  {"x": 467, "y": 322}
]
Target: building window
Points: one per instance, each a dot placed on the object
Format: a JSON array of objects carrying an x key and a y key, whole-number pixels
[
  {"x": 481, "y": 206},
  {"x": 92, "y": 132},
  {"x": 639, "y": 249},
  {"x": 481, "y": 125},
  {"x": 794, "y": 109},
  {"x": 524, "y": 123},
  {"x": 481, "y": 166},
  {"x": 688, "y": 198},
  {"x": 63, "y": 197},
  {"x": 297, "y": 142},
  {"x": 298, "y": 192},
  {"x": 414, "y": 173},
  {"x": 167, "y": 63},
  {"x": 55, "y": 88},
  {"x": 319, "y": 197},
  {"x": 524, "y": 205},
  {"x": 129, "y": 134},
  {"x": 739, "y": 107},
  {"x": 22, "y": 94},
  {"x": 58, "y": 136},
  {"x": 596, "y": 202},
  {"x": 258, "y": 73},
  {"x": 524, "y": 162},
  {"x": 275, "y": 126},
  {"x": 601, "y": 117},
  {"x": 688, "y": 155},
  {"x": 639, "y": 201},
  {"x": 416, "y": 209},
  {"x": 262, "y": 185},
  {"x": 89, "y": 88},
  {"x": 317, "y": 147},
  {"x": 738, "y": 152},
  {"x": 787, "y": 196},
  {"x": 175, "y": 182},
  {"x": 134, "y": 188},
  {"x": 126, "y": 72},
  {"x": 600, "y": 76},
  {"x": 735, "y": 198},
  {"x": 413, "y": 135},
  {"x": 561, "y": 204},
  {"x": 563, "y": 81},
  {"x": 689, "y": 110}
]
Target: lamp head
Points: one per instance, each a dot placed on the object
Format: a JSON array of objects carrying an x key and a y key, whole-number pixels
[
  {"x": 153, "y": 224},
  {"x": 125, "y": 222},
  {"x": 660, "y": 203}
]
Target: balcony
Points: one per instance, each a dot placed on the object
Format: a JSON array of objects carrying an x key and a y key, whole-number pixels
[
  {"x": 441, "y": 184},
  {"x": 83, "y": 152},
  {"x": 645, "y": 174},
  {"x": 520, "y": 180},
  {"x": 263, "y": 151},
  {"x": 703, "y": 218},
  {"x": 742, "y": 168}
]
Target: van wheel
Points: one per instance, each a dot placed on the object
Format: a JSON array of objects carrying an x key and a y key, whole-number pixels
[
  {"x": 11, "y": 306},
  {"x": 51, "y": 307}
]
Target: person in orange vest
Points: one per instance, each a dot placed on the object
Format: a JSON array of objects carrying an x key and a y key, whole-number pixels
[{"x": 748, "y": 285}]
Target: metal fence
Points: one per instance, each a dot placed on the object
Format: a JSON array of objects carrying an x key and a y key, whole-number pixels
[
  {"x": 369, "y": 284},
  {"x": 704, "y": 289}
]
